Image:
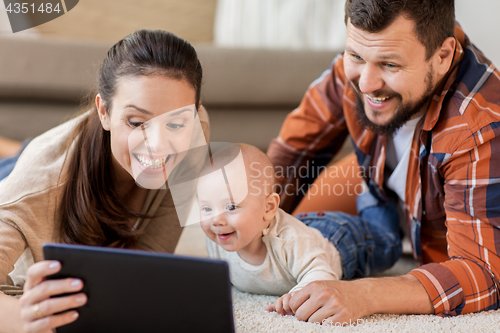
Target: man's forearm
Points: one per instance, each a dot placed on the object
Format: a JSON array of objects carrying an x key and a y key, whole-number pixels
[
  {"x": 397, "y": 295},
  {"x": 348, "y": 301}
]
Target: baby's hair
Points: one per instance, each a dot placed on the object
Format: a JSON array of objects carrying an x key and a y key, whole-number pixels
[
  {"x": 219, "y": 158},
  {"x": 257, "y": 165}
]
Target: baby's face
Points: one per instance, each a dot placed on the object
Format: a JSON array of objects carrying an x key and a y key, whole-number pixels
[{"x": 226, "y": 218}]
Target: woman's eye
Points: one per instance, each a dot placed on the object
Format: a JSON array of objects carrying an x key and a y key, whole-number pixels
[
  {"x": 174, "y": 126},
  {"x": 231, "y": 207},
  {"x": 135, "y": 123}
]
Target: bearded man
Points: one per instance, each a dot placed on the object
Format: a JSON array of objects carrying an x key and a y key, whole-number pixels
[{"x": 422, "y": 107}]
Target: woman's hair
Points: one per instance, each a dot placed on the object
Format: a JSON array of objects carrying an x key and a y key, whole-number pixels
[{"x": 92, "y": 212}]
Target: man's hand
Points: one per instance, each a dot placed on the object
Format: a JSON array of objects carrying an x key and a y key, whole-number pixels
[
  {"x": 331, "y": 301},
  {"x": 347, "y": 301}
]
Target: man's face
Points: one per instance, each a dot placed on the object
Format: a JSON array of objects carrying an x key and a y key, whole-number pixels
[{"x": 390, "y": 74}]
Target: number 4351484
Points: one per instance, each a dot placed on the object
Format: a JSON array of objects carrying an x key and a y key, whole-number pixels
[{"x": 25, "y": 8}]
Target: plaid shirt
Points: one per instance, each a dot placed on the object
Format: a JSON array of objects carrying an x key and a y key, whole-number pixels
[{"x": 452, "y": 195}]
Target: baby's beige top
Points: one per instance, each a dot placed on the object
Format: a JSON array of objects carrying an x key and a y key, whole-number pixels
[
  {"x": 29, "y": 200},
  {"x": 296, "y": 255}
]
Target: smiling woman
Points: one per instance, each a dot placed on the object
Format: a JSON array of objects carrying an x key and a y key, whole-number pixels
[
  {"x": 151, "y": 126},
  {"x": 98, "y": 179}
]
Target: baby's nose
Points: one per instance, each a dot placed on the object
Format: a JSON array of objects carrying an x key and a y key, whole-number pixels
[{"x": 219, "y": 219}]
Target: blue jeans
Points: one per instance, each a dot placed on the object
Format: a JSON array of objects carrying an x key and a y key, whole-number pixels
[
  {"x": 7, "y": 163},
  {"x": 368, "y": 243}
]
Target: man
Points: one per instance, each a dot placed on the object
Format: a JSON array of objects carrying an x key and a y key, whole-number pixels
[{"x": 422, "y": 106}]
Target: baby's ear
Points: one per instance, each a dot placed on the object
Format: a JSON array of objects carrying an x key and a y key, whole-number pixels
[{"x": 272, "y": 205}]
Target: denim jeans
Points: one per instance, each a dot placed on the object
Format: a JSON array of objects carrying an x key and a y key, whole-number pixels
[
  {"x": 368, "y": 243},
  {"x": 7, "y": 163}
]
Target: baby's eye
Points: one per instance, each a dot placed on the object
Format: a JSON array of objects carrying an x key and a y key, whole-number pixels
[
  {"x": 231, "y": 207},
  {"x": 206, "y": 209}
]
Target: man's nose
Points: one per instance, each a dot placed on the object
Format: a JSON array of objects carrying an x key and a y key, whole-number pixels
[{"x": 370, "y": 79}]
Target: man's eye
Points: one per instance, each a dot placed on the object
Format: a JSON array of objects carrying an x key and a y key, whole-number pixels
[
  {"x": 231, "y": 207},
  {"x": 391, "y": 66},
  {"x": 174, "y": 126},
  {"x": 356, "y": 57}
]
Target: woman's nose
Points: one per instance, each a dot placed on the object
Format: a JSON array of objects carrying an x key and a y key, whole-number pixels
[{"x": 156, "y": 139}]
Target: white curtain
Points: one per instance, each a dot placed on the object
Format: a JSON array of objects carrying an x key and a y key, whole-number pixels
[{"x": 296, "y": 24}]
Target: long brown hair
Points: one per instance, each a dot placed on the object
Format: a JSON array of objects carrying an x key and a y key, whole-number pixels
[{"x": 91, "y": 210}]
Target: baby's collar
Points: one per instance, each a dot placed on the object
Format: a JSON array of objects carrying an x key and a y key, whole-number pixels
[{"x": 272, "y": 225}]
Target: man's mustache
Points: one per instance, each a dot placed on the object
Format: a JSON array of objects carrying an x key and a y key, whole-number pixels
[{"x": 376, "y": 93}]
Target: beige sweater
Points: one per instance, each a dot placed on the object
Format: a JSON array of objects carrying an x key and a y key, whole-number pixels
[
  {"x": 296, "y": 255},
  {"x": 30, "y": 196}
]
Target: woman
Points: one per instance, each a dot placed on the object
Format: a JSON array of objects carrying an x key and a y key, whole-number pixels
[{"x": 80, "y": 182}]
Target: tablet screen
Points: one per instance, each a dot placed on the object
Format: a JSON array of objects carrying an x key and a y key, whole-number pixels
[{"x": 139, "y": 291}]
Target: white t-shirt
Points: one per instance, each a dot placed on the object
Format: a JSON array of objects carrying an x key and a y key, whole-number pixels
[
  {"x": 296, "y": 255},
  {"x": 397, "y": 157}
]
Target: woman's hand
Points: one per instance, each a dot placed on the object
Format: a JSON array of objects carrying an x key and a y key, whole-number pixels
[
  {"x": 38, "y": 309},
  {"x": 281, "y": 306}
]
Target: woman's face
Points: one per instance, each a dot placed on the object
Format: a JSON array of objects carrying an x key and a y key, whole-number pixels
[{"x": 151, "y": 122}]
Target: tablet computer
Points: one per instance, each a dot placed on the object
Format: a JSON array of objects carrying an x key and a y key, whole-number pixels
[{"x": 139, "y": 291}]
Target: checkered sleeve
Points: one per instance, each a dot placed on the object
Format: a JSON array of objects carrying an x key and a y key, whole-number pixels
[
  {"x": 469, "y": 282},
  {"x": 311, "y": 134}
]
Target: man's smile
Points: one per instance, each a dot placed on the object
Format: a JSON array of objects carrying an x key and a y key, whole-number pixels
[{"x": 378, "y": 100}]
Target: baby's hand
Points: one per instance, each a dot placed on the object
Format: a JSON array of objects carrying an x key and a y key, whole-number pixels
[{"x": 281, "y": 306}]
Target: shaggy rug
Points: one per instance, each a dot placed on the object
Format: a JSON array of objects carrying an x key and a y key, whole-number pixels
[{"x": 250, "y": 316}]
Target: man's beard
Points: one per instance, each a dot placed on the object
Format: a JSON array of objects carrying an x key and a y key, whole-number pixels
[{"x": 403, "y": 113}]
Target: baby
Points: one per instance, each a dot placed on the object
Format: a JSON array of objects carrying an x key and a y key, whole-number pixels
[{"x": 268, "y": 250}]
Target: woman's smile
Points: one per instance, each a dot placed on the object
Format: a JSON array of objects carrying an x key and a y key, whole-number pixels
[{"x": 152, "y": 163}]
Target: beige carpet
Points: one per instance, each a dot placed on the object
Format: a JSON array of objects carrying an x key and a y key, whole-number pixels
[{"x": 250, "y": 316}]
